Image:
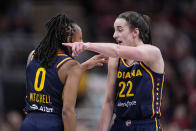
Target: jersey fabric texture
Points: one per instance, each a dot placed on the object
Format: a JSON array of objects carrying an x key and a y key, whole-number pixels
[
  {"x": 138, "y": 93},
  {"x": 44, "y": 92},
  {"x": 44, "y": 100},
  {"x": 36, "y": 121},
  {"x": 136, "y": 125}
]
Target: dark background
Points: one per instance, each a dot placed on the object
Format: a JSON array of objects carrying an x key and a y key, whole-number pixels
[{"x": 173, "y": 31}]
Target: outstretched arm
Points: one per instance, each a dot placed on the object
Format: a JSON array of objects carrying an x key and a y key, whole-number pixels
[
  {"x": 149, "y": 54},
  {"x": 140, "y": 53}
]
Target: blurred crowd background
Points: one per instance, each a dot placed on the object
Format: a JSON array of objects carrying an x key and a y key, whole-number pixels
[{"x": 173, "y": 30}]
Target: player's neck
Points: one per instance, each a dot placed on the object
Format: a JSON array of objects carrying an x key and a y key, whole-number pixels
[
  {"x": 139, "y": 42},
  {"x": 60, "y": 51}
]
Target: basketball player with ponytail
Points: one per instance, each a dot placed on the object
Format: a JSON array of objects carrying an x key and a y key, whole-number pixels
[{"x": 135, "y": 75}]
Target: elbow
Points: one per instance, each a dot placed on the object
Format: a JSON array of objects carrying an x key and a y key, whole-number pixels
[
  {"x": 109, "y": 101},
  {"x": 68, "y": 112},
  {"x": 108, "y": 104}
]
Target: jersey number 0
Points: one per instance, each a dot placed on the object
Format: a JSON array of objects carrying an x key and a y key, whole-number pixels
[{"x": 42, "y": 81}]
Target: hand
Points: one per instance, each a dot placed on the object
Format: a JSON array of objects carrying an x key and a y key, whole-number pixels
[
  {"x": 96, "y": 60},
  {"x": 77, "y": 47}
]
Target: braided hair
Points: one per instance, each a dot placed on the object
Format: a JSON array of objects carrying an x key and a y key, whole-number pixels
[
  {"x": 142, "y": 22},
  {"x": 59, "y": 29}
]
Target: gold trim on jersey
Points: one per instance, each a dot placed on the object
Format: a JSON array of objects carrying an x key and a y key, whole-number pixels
[
  {"x": 64, "y": 60},
  {"x": 153, "y": 95},
  {"x": 126, "y": 63},
  {"x": 161, "y": 95},
  {"x": 61, "y": 55},
  {"x": 157, "y": 127}
]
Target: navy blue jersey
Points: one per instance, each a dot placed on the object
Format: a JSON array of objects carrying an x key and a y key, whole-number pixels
[
  {"x": 138, "y": 92},
  {"x": 44, "y": 88},
  {"x": 36, "y": 121}
]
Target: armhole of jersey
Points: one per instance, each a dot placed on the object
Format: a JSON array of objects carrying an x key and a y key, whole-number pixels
[
  {"x": 147, "y": 69},
  {"x": 62, "y": 62},
  {"x": 142, "y": 64}
]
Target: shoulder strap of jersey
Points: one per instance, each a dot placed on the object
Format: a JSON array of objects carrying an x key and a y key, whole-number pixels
[
  {"x": 62, "y": 58},
  {"x": 125, "y": 64}
]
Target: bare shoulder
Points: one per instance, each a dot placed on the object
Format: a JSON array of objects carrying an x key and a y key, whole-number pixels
[
  {"x": 150, "y": 52},
  {"x": 155, "y": 52},
  {"x": 70, "y": 65},
  {"x": 150, "y": 47},
  {"x": 68, "y": 68},
  {"x": 156, "y": 62}
]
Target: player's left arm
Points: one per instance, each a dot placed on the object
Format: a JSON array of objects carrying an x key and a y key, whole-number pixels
[{"x": 74, "y": 74}]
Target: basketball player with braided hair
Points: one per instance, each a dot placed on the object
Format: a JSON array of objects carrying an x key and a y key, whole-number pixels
[{"x": 52, "y": 78}]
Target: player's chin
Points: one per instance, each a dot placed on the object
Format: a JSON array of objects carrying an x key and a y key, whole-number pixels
[{"x": 121, "y": 43}]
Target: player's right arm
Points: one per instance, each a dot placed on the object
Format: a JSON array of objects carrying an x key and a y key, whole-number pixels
[
  {"x": 107, "y": 109},
  {"x": 70, "y": 74},
  {"x": 149, "y": 54}
]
